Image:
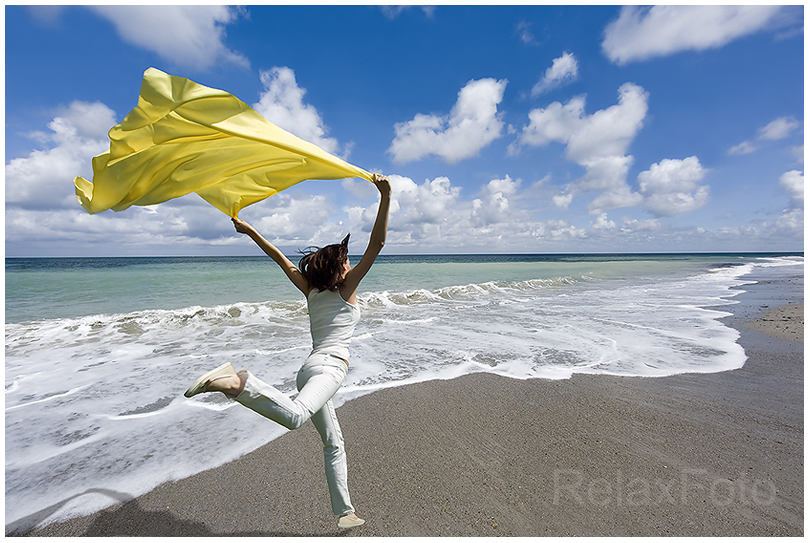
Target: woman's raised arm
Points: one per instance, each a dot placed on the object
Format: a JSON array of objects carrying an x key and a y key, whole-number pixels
[
  {"x": 272, "y": 251},
  {"x": 375, "y": 244}
]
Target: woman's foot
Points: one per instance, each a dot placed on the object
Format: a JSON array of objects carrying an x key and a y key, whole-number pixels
[
  {"x": 223, "y": 379},
  {"x": 230, "y": 385},
  {"x": 349, "y": 521}
]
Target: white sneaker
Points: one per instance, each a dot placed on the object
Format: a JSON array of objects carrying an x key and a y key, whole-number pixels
[{"x": 348, "y": 522}]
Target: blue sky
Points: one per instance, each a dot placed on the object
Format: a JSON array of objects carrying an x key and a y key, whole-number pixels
[{"x": 519, "y": 129}]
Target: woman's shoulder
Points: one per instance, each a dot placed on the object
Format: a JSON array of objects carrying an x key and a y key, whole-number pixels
[
  {"x": 313, "y": 293},
  {"x": 328, "y": 296}
]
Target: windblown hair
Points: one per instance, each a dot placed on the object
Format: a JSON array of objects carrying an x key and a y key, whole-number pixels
[{"x": 322, "y": 268}]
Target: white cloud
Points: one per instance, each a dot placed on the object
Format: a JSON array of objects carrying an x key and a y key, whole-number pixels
[
  {"x": 635, "y": 225},
  {"x": 282, "y": 103},
  {"x": 188, "y": 36},
  {"x": 564, "y": 70},
  {"x": 598, "y": 142},
  {"x": 797, "y": 152},
  {"x": 41, "y": 208},
  {"x": 525, "y": 34},
  {"x": 778, "y": 129},
  {"x": 164, "y": 229},
  {"x": 641, "y": 33},
  {"x": 393, "y": 12},
  {"x": 609, "y": 132},
  {"x": 88, "y": 119},
  {"x": 287, "y": 220},
  {"x": 181, "y": 225},
  {"x": 473, "y": 124},
  {"x": 430, "y": 203},
  {"x": 557, "y": 122},
  {"x": 563, "y": 199},
  {"x": 745, "y": 148},
  {"x": 46, "y": 15},
  {"x": 670, "y": 187},
  {"x": 433, "y": 216},
  {"x": 603, "y": 223},
  {"x": 788, "y": 224},
  {"x": 42, "y": 213},
  {"x": 494, "y": 206},
  {"x": 428, "y": 217},
  {"x": 616, "y": 197},
  {"x": 793, "y": 183},
  {"x": 359, "y": 188},
  {"x": 44, "y": 179}
]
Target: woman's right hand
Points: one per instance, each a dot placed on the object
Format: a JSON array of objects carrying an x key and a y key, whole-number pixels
[{"x": 382, "y": 183}]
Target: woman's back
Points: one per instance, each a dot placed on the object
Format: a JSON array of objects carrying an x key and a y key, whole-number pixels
[{"x": 331, "y": 322}]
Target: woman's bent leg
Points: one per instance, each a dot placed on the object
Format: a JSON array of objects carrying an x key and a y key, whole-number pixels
[
  {"x": 334, "y": 459},
  {"x": 318, "y": 380},
  {"x": 276, "y": 406}
]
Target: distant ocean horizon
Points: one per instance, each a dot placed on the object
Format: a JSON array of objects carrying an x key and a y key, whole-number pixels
[{"x": 100, "y": 349}]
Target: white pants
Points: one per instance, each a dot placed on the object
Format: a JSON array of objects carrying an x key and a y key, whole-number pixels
[{"x": 318, "y": 380}]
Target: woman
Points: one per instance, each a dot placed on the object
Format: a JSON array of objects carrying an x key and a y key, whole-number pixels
[{"x": 330, "y": 286}]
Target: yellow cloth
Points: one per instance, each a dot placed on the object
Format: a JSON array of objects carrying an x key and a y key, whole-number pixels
[{"x": 184, "y": 137}]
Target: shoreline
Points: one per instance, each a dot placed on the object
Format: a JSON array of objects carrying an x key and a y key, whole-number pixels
[{"x": 482, "y": 455}]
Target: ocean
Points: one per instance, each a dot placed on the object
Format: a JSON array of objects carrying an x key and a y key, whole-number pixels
[{"x": 100, "y": 350}]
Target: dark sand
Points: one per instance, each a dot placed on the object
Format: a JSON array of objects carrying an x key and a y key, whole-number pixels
[{"x": 689, "y": 455}]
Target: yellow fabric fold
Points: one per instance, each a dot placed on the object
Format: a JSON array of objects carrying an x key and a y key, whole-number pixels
[{"x": 184, "y": 137}]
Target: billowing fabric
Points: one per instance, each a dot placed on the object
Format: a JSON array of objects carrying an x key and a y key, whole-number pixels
[{"x": 184, "y": 137}]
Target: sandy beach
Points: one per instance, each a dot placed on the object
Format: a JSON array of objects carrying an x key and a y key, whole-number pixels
[{"x": 689, "y": 455}]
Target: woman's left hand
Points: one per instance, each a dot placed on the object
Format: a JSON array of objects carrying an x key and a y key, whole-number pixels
[{"x": 241, "y": 226}]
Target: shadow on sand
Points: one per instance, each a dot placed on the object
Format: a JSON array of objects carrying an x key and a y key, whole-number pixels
[{"x": 130, "y": 519}]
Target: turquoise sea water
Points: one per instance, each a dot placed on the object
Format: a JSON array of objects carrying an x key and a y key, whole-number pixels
[
  {"x": 49, "y": 288},
  {"x": 99, "y": 350}
]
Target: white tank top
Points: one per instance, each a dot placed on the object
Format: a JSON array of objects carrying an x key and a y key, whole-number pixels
[{"x": 331, "y": 322}]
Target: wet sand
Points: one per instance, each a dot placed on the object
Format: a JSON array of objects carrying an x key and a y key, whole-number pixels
[{"x": 689, "y": 455}]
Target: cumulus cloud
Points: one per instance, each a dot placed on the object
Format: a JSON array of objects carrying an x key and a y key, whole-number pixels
[
  {"x": 419, "y": 208},
  {"x": 288, "y": 220},
  {"x": 494, "y": 206},
  {"x": 164, "y": 229},
  {"x": 564, "y": 70},
  {"x": 793, "y": 183},
  {"x": 598, "y": 142},
  {"x": 778, "y": 129},
  {"x": 603, "y": 223},
  {"x": 563, "y": 199},
  {"x": 44, "y": 179},
  {"x": 473, "y": 123},
  {"x": 434, "y": 215},
  {"x": 641, "y": 33},
  {"x": 42, "y": 213},
  {"x": 188, "y": 36},
  {"x": 282, "y": 103},
  {"x": 670, "y": 187}
]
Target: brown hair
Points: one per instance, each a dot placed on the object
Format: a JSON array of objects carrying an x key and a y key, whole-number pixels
[{"x": 323, "y": 268}]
